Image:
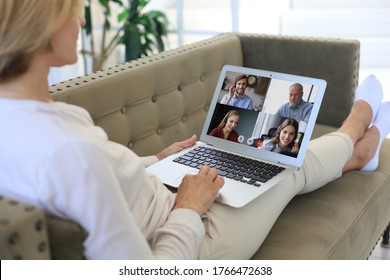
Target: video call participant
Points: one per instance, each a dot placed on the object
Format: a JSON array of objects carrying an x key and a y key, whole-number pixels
[
  {"x": 225, "y": 129},
  {"x": 283, "y": 139},
  {"x": 236, "y": 96},
  {"x": 296, "y": 108}
]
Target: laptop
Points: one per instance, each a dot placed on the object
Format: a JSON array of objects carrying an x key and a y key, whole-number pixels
[{"x": 250, "y": 161}]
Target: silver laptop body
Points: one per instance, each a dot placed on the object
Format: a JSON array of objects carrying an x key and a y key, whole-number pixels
[{"x": 269, "y": 90}]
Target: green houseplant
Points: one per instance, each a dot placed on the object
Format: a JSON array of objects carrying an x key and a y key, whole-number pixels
[{"x": 126, "y": 23}]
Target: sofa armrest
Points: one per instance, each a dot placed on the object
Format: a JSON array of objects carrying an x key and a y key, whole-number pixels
[{"x": 66, "y": 239}]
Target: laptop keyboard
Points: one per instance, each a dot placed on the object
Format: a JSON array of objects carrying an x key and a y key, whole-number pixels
[{"x": 231, "y": 166}]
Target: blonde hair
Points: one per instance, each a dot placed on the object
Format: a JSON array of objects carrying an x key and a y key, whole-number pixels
[
  {"x": 25, "y": 28},
  {"x": 227, "y": 116}
]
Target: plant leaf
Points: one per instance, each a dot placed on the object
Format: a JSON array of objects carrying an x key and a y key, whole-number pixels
[
  {"x": 88, "y": 20},
  {"x": 122, "y": 16}
]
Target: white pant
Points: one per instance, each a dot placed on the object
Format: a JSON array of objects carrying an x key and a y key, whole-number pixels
[{"x": 237, "y": 233}]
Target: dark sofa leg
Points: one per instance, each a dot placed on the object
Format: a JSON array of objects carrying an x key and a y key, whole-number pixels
[{"x": 385, "y": 242}]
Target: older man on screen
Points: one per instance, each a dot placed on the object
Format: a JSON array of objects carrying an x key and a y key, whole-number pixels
[{"x": 295, "y": 108}]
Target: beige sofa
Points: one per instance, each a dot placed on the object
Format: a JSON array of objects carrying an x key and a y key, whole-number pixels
[{"x": 149, "y": 103}]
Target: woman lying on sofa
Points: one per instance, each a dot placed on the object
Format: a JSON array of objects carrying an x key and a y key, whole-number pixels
[{"x": 53, "y": 156}]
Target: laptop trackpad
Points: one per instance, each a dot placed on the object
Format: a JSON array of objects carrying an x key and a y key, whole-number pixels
[{"x": 178, "y": 180}]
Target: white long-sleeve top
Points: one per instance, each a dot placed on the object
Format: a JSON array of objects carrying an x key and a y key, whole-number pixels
[{"x": 53, "y": 156}]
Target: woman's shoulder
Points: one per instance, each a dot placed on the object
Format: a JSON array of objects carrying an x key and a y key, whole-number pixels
[
  {"x": 216, "y": 131},
  {"x": 50, "y": 126}
]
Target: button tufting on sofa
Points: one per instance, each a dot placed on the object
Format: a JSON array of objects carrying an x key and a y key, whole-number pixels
[{"x": 123, "y": 110}]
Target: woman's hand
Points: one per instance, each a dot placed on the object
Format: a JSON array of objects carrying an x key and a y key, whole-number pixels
[
  {"x": 176, "y": 147},
  {"x": 198, "y": 192}
]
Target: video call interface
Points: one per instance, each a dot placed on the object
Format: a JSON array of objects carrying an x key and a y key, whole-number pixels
[{"x": 261, "y": 112}]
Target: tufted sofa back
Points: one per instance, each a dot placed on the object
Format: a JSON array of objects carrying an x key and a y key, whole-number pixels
[{"x": 150, "y": 103}]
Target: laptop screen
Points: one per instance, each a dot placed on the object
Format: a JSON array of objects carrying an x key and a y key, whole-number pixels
[{"x": 262, "y": 114}]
